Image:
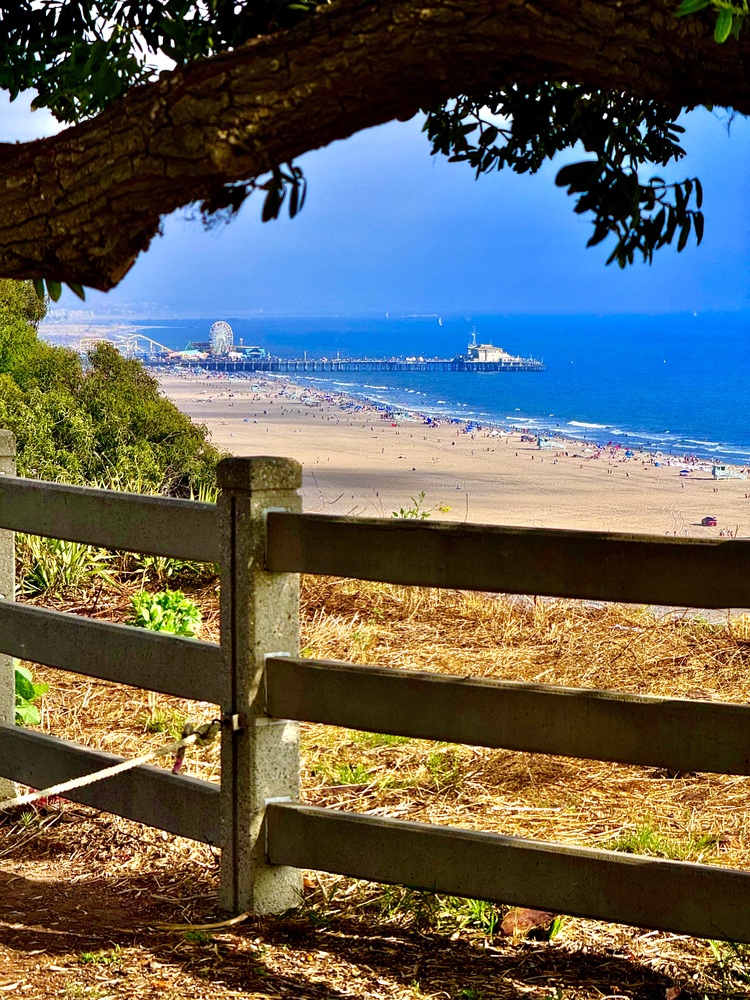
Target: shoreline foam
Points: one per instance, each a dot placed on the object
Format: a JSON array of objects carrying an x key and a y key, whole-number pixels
[{"x": 665, "y": 442}]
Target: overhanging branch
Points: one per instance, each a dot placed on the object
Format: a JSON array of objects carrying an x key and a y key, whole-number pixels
[{"x": 80, "y": 206}]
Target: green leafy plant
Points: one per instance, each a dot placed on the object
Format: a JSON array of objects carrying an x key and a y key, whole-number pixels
[
  {"x": 371, "y": 740},
  {"x": 646, "y": 840},
  {"x": 198, "y": 937},
  {"x": 162, "y": 569},
  {"x": 733, "y": 960},
  {"x": 102, "y": 422},
  {"x": 53, "y": 566},
  {"x": 482, "y": 915},
  {"x": 105, "y": 956},
  {"x": 160, "y": 721},
  {"x": 167, "y": 611},
  {"x": 444, "y": 767},
  {"x": 27, "y": 692},
  {"x": 418, "y": 511},
  {"x": 351, "y": 774},
  {"x": 434, "y": 911}
]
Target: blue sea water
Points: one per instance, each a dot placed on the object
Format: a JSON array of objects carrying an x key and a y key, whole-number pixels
[{"x": 673, "y": 383}]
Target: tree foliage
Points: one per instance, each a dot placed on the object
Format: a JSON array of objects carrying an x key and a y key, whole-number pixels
[
  {"x": 103, "y": 423},
  {"x": 523, "y": 126},
  {"x": 80, "y": 56}
]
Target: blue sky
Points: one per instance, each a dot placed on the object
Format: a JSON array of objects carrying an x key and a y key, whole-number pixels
[{"x": 388, "y": 227}]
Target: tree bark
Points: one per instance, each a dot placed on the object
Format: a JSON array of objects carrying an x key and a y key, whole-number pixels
[{"x": 81, "y": 205}]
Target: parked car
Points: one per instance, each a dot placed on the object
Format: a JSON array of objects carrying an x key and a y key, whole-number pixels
[{"x": 709, "y": 521}]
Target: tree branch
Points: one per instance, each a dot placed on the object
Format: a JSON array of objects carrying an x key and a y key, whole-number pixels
[{"x": 80, "y": 206}]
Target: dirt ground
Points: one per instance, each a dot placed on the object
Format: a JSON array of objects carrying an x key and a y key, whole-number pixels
[
  {"x": 83, "y": 894},
  {"x": 87, "y": 894}
]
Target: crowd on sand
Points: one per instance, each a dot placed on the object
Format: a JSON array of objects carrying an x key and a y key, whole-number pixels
[{"x": 373, "y": 457}]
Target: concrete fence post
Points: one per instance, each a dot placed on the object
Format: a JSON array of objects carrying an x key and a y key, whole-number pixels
[
  {"x": 7, "y": 592},
  {"x": 259, "y": 615}
]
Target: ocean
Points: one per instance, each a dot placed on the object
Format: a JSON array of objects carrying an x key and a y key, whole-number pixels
[{"x": 675, "y": 383}]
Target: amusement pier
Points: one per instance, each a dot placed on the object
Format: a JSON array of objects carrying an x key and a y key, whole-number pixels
[{"x": 220, "y": 354}]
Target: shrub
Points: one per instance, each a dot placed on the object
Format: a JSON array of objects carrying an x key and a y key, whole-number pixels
[
  {"x": 101, "y": 423},
  {"x": 55, "y": 567},
  {"x": 167, "y": 611},
  {"x": 27, "y": 692}
]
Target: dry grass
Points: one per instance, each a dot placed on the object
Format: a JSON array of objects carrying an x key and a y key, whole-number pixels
[{"x": 353, "y": 939}]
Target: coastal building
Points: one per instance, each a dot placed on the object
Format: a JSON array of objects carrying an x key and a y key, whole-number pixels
[
  {"x": 251, "y": 352},
  {"x": 486, "y": 352},
  {"x": 487, "y": 357}
]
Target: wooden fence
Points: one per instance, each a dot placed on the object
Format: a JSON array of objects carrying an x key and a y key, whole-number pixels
[{"x": 262, "y": 543}]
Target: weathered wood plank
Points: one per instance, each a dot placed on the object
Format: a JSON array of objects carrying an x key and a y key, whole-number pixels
[
  {"x": 153, "y": 525},
  {"x": 182, "y": 805},
  {"x": 540, "y": 718},
  {"x": 188, "y": 668},
  {"x": 701, "y": 900},
  {"x": 637, "y": 569}
]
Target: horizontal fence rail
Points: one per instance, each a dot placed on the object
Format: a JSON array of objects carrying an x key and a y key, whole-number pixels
[
  {"x": 188, "y": 668},
  {"x": 184, "y": 806},
  {"x": 153, "y": 525},
  {"x": 637, "y": 569},
  {"x": 687, "y": 898},
  {"x": 599, "y": 725}
]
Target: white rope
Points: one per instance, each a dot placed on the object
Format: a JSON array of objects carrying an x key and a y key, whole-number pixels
[{"x": 107, "y": 772}]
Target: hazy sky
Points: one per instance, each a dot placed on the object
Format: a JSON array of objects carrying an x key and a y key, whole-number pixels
[{"x": 388, "y": 227}]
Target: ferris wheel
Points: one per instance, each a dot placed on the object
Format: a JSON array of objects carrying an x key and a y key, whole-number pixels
[{"x": 221, "y": 337}]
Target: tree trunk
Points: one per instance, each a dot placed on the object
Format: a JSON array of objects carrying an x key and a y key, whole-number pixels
[{"x": 81, "y": 205}]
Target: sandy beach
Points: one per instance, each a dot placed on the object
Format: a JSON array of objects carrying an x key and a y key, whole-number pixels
[{"x": 359, "y": 460}]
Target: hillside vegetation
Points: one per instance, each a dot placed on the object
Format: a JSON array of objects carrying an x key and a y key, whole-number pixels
[{"x": 101, "y": 422}]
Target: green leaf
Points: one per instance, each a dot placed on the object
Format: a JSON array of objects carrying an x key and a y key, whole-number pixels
[
  {"x": 577, "y": 176},
  {"x": 601, "y": 232},
  {"x": 698, "y": 193},
  {"x": 691, "y": 7},
  {"x": 698, "y": 225},
  {"x": 39, "y": 288},
  {"x": 54, "y": 289},
  {"x": 78, "y": 290},
  {"x": 294, "y": 200},
  {"x": 28, "y": 715},
  {"x": 723, "y": 27},
  {"x": 488, "y": 136},
  {"x": 684, "y": 233},
  {"x": 24, "y": 687},
  {"x": 272, "y": 203}
]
